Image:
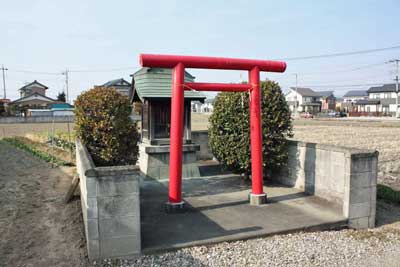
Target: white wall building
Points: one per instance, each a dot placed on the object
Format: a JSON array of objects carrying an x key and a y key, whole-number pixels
[
  {"x": 304, "y": 99},
  {"x": 381, "y": 100},
  {"x": 206, "y": 107}
]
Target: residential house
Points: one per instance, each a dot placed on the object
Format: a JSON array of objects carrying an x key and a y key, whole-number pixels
[
  {"x": 33, "y": 87},
  {"x": 328, "y": 100},
  {"x": 4, "y": 105},
  {"x": 62, "y": 109},
  {"x": 33, "y": 96},
  {"x": 350, "y": 99},
  {"x": 56, "y": 109},
  {"x": 304, "y": 99},
  {"x": 121, "y": 85},
  {"x": 381, "y": 101},
  {"x": 206, "y": 107},
  {"x": 339, "y": 104},
  {"x": 354, "y": 96}
]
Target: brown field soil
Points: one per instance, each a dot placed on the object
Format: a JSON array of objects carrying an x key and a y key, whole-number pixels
[
  {"x": 20, "y": 129},
  {"x": 36, "y": 227},
  {"x": 199, "y": 121}
]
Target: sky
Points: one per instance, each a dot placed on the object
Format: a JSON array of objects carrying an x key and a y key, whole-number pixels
[{"x": 101, "y": 40}]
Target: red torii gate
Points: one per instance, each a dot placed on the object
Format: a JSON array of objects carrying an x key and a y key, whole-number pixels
[{"x": 178, "y": 64}]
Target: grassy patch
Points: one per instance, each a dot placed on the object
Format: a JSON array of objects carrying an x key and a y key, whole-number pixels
[
  {"x": 19, "y": 143},
  {"x": 386, "y": 193},
  {"x": 381, "y": 235}
]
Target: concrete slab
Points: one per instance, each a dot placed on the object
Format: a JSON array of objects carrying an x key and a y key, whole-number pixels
[{"x": 218, "y": 210}]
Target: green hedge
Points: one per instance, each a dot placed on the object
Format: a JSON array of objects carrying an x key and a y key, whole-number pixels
[
  {"x": 229, "y": 131},
  {"x": 386, "y": 193},
  {"x": 103, "y": 124}
]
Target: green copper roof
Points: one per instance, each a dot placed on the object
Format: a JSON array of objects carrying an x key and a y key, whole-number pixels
[{"x": 156, "y": 83}]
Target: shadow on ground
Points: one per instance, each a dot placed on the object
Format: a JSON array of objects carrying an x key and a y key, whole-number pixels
[
  {"x": 387, "y": 213},
  {"x": 217, "y": 210}
]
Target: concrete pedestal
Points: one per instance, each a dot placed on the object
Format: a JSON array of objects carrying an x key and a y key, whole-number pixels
[
  {"x": 175, "y": 207},
  {"x": 257, "y": 199},
  {"x": 154, "y": 160}
]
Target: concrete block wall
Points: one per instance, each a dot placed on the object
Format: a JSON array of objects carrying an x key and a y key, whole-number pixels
[
  {"x": 201, "y": 138},
  {"x": 344, "y": 176},
  {"x": 110, "y": 207}
]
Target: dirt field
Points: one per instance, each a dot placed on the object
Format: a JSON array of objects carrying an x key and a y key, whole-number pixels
[
  {"x": 20, "y": 129},
  {"x": 36, "y": 227}
]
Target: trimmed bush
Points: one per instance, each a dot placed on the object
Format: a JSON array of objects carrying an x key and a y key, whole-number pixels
[
  {"x": 387, "y": 193},
  {"x": 229, "y": 132},
  {"x": 102, "y": 123}
]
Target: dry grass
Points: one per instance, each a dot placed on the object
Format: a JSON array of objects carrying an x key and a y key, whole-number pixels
[{"x": 21, "y": 129}]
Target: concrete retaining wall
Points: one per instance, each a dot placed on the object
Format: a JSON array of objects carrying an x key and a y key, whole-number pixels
[
  {"x": 41, "y": 119},
  {"x": 201, "y": 138},
  {"x": 110, "y": 207},
  {"x": 344, "y": 176}
]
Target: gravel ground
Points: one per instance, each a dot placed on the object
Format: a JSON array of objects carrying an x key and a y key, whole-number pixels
[
  {"x": 344, "y": 248},
  {"x": 376, "y": 247}
]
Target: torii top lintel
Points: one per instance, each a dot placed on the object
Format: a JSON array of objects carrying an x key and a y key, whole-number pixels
[{"x": 170, "y": 61}]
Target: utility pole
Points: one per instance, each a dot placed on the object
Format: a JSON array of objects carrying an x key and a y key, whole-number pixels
[
  {"x": 66, "y": 84},
  {"x": 4, "y": 81},
  {"x": 295, "y": 105},
  {"x": 396, "y": 61}
]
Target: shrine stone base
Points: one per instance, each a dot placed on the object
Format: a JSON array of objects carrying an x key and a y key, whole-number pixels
[{"x": 154, "y": 160}]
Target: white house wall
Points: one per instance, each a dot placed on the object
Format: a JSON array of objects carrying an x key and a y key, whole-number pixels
[
  {"x": 382, "y": 95},
  {"x": 291, "y": 96}
]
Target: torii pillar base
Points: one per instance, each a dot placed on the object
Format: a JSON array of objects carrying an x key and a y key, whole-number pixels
[
  {"x": 171, "y": 207},
  {"x": 257, "y": 199}
]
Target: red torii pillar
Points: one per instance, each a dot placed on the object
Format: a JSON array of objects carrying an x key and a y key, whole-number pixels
[{"x": 178, "y": 64}]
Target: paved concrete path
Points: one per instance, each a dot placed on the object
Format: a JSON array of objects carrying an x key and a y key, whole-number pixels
[{"x": 218, "y": 210}]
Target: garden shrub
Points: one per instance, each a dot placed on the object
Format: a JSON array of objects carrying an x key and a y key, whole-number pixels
[
  {"x": 387, "y": 193},
  {"x": 229, "y": 131},
  {"x": 102, "y": 123}
]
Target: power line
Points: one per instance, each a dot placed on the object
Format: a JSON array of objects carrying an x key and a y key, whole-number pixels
[
  {"x": 341, "y": 54},
  {"x": 105, "y": 70},
  {"x": 35, "y": 72},
  {"x": 344, "y": 85},
  {"x": 345, "y": 70}
]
